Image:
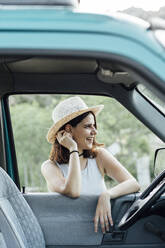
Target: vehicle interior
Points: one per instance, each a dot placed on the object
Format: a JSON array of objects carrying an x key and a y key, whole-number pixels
[
  {"x": 56, "y": 225},
  {"x": 46, "y": 219}
]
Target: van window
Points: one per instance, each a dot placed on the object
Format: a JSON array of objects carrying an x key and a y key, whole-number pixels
[{"x": 122, "y": 134}]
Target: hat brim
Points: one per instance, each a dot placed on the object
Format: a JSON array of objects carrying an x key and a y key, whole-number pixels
[{"x": 55, "y": 127}]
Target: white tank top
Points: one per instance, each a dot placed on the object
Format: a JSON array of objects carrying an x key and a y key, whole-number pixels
[{"x": 92, "y": 180}]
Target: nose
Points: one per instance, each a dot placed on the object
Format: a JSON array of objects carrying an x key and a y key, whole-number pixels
[{"x": 94, "y": 131}]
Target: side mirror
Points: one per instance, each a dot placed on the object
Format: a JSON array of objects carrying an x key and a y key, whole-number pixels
[{"x": 159, "y": 161}]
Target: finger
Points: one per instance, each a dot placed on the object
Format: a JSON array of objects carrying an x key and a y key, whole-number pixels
[
  {"x": 59, "y": 137},
  {"x": 61, "y": 131},
  {"x": 102, "y": 223},
  {"x": 106, "y": 221},
  {"x": 60, "y": 134},
  {"x": 68, "y": 135},
  {"x": 96, "y": 220},
  {"x": 110, "y": 219}
]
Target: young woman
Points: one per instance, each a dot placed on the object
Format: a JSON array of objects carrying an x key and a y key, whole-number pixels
[{"x": 77, "y": 163}]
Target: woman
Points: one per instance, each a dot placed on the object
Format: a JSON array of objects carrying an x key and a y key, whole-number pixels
[{"x": 77, "y": 163}]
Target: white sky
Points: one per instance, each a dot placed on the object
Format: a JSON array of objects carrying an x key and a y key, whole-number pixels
[{"x": 113, "y": 5}]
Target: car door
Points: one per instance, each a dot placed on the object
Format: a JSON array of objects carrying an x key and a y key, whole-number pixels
[{"x": 68, "y": 222}]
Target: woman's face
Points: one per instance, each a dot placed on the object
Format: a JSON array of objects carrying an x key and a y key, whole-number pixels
[{"x": 85, "y": 132}]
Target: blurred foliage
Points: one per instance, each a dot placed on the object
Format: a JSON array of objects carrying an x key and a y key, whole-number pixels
[{"x": 31, "y": 118}]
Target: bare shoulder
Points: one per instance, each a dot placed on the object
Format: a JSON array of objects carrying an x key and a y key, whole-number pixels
[
  {"x": 47, "y": 166},
  {"x": 104, "y": 156},
  {"x": 103, "y": 153},
  {"x": 53, "y": 176},
  {"x": 107, "y": 158},
  {"x": 112, "y": 167},
  {"x": 100, "y": 150}
]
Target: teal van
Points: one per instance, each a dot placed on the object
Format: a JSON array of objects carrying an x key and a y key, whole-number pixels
[{"x": 49, "y": 48}]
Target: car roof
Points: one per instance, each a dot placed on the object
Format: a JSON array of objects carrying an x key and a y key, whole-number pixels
[
  {"x": 40, "y": 31},
  {"x": 56, "y": 19},
  {"x": 65, "y": 3}
]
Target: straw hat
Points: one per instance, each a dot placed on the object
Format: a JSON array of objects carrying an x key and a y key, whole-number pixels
[{"x": 67, "y": 110}]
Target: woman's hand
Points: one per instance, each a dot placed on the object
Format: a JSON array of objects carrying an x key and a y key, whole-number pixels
[
  {"x": 103, "y": 213},
  {"x": 66, "y": 140}
]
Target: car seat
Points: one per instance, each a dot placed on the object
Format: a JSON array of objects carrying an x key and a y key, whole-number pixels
[{"x": 19, "y": 227}]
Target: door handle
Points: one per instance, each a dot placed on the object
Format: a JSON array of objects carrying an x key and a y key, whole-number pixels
[{"x": 115, "y": 236}]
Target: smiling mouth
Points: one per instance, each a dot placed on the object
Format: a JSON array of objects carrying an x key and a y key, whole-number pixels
[{"x": 90, "y": 139}]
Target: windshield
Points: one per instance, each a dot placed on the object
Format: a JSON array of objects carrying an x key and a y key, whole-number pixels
[{"x": 152, "y": 97}]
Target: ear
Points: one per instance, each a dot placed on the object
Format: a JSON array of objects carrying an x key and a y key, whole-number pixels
[{"x": 68, "y": 128}]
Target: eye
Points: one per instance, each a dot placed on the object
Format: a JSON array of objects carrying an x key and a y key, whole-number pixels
[{"x": 89, "y": 126}]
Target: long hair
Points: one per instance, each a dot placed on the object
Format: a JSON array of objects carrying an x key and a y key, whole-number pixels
[{"x": 60, "y": 154}]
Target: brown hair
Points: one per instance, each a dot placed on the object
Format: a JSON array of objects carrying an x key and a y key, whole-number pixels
[{"x": 60, "y": 154}]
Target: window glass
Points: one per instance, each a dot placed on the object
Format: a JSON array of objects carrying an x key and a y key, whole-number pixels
[
  {"x": 122, "y": 134},
  {"x": 152, "y": 97}
]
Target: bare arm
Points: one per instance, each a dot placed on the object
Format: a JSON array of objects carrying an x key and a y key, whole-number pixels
[
  {"x": 71, "y": 185},
  {"x": 114, "y": 169},
  {"x": 127, "y": 184},
  {"x": 73, "y": 180}
]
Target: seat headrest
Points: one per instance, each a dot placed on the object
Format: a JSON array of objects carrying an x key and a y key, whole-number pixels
[{"x": 7, "y": 186}]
